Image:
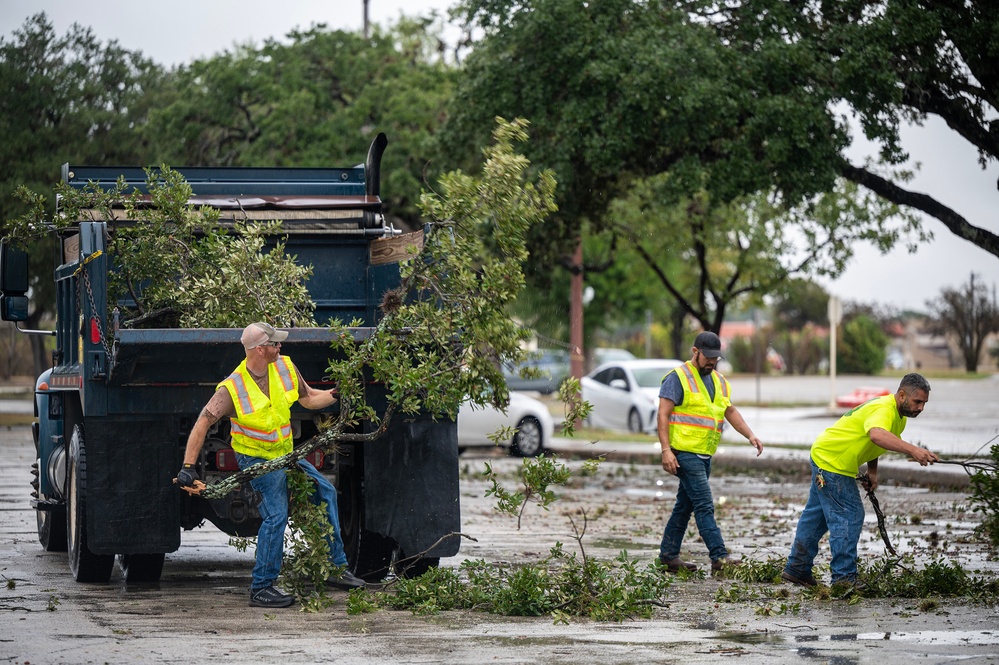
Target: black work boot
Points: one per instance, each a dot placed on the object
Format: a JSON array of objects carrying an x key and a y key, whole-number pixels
[
  {"x": 676, "y": 563},
  {"x": 270, "y": 597}
]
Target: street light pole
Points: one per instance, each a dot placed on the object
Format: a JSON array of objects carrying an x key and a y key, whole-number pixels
[{"x": 835, "y": 312}]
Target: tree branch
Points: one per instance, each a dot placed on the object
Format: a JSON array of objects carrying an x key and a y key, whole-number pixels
[{"x": 957, "y": 224}]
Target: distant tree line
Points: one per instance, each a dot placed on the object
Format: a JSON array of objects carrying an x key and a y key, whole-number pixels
[{"x": 699, "y": 148}]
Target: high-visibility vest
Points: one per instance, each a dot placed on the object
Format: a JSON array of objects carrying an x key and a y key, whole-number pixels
[
  {"x": 262, "y": 424},
  {"x": 696, "y": 425}
]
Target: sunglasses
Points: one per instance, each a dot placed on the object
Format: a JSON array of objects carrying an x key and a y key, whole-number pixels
[{"x": 271, "y": 344}]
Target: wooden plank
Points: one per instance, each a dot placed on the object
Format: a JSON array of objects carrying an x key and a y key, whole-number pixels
[
  {"x": 71, "y": 249},
  {"x": 395, "y": 248}
]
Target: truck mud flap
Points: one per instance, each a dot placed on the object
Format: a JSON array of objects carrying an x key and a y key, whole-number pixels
[
  {"x": 132, "y": 504},
  {"x": 411, "y": 486}
]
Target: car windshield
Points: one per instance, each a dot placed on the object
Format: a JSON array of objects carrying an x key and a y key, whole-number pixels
[{"x": 651, "y": 377}]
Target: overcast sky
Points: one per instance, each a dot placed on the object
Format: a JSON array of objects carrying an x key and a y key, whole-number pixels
[{"x": 179, "y": 31}]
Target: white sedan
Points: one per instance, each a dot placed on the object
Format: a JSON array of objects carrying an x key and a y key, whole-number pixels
[
  {"x": 532, "y": 422},
  {"x": 625, "y": 394}
]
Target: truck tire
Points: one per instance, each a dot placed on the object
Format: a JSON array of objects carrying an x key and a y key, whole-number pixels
[
  {"x": 52, "y": 528},
  {"x": 83, "y": 564},
  {"x": 368, "y": 554},
  {"x": 529, "y": 441},
  {"x": 141, "y": 568},
  {"x": 51, "y": 523}
]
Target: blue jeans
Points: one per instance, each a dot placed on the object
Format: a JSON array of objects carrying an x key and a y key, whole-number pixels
[
  {"x": 693, "y": 496},
  {"x": 273, "y": 489},
  {"x": 834, "y": 505}
]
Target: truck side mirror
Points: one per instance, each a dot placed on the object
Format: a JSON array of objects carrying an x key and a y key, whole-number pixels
[{"x": 13, "y": 283}]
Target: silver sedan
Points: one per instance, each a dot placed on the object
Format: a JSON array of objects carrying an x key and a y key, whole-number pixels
[
  {"x": 532, "y": 424},
  {"x": 625, "y": 394}
]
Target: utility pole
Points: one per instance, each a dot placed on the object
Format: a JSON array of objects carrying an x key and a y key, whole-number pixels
[
  {"x": 576, "y": 314},
  {"x": 367, "y": 24},
  {"x": 835, "y": 313}
]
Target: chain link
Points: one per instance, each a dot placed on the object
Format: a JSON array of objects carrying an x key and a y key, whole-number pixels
[{"x": 93, "y": 304}]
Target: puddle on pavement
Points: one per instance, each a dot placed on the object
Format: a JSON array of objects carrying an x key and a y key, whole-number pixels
[
  {"x": 936, "y": 637},
  {"x": 760, "y": 637}
]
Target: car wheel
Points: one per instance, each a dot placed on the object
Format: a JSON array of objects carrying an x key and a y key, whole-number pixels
[
  {"x": 634, "y": 421},
  {"x": 529, "y": 439}
]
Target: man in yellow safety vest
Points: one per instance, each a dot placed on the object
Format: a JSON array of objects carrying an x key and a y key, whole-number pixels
[
  {"x": 257, "y": 398},
  {"x": 694, "y": 402}
]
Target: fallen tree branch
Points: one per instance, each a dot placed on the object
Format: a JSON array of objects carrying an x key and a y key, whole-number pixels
[{"x": 865, "y": 481}]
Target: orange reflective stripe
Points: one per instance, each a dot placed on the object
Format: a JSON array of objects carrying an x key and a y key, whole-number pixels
[
  {"x": 724, "y": 386},
  {"x": 272, "y": 436}
]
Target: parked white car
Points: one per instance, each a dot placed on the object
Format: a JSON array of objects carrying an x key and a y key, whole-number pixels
[
  {"x": 625, "y": 394},
  {"x": 533, "y": 422}
]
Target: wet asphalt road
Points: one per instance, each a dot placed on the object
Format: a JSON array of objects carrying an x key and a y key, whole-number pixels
[
  {"x": 198, "y": 612},
  {"x": 960, "y": 418}
]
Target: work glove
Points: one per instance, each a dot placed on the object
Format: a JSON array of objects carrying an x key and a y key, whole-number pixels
[{"x": 187, "y": 475}]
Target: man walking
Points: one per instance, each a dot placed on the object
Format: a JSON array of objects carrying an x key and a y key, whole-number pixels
[
  {"x": 694, "y": 402},
  {"x": 257, "y": 397},
  {"x": 859, "y": 437}
]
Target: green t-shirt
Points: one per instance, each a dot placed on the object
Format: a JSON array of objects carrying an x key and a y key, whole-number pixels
[{"x": 847, "y": 444}]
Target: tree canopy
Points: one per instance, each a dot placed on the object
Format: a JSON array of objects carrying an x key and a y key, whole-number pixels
[
  {"x": 66, "y": 98},
  {"x": 618, "y": 90},
  {"x": 314, "y": 101},
  {"x": 892, "y": 63}
]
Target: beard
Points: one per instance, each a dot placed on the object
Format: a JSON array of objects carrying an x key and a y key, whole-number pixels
[{"x": 907, "y": 410}]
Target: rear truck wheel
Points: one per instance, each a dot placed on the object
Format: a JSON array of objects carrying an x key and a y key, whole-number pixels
[
  {"x": 368, "y": 554},
  {"x": 49, "y": 514},
  {"x": 634, "y": 421},
  {"x": 529, "y": 439},
  {"x": 83, "y": 564},
  {"x": 141, "y": 568},
  {"x": 421, "y": 566}
]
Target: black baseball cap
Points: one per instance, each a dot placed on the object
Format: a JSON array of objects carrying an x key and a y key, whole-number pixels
[{"x": 708, "y": 344}]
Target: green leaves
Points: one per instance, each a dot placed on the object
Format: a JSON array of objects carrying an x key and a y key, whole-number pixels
[
  {"x": 448, "y": 333},
  {"x": 537, "y": 475},
  {"x": 175, "y": 266},
  {"x": 561, "y": 586},
  {"x": 306, "y": 564},
  {"x": 985, "y": 499}
]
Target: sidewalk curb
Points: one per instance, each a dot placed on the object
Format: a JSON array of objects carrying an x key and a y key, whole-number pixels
[{"x": 902, "y": 473}]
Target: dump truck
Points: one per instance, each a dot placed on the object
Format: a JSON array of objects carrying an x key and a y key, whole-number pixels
[{"x": 114, "y": 411}]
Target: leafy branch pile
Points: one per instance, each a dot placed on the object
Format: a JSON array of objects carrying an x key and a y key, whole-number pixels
[
  {"x": 175, "y": 264},
  {"x": 883, "y": 577},
  {"x": 562, "y": 586}
]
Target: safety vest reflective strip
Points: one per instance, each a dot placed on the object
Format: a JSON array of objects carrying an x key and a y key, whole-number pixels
[
  {"x": 691, "y": 381},
  {"x": 695, "y": 421},
  {"x": 245, "y": 405},
  {"x": 260, "y": 435},
  {"x": 284, "y": 371}
]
